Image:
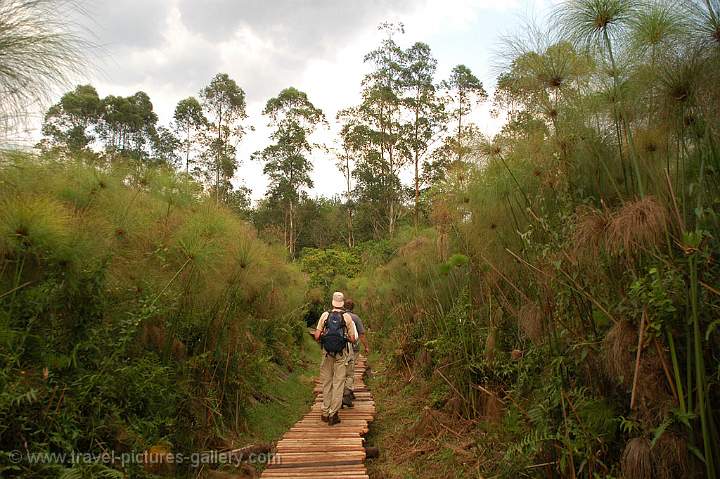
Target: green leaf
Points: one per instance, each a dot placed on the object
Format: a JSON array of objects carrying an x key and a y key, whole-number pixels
[{"x": 660, "y": 430}]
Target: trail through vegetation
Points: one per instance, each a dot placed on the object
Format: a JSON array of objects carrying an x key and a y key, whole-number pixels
[{"x": 542, "y": 302}]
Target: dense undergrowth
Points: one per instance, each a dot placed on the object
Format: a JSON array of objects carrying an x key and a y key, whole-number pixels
[
  {"x": 562, "y": 311},
  {"x": 134, "y": 314}
]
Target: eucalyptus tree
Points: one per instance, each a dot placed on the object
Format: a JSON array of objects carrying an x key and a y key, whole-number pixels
[
  {"x": 166, "y": 147},
  {"x": 425, "y": 106},
  {"x": 381, "y": 112},
  {"x": 224, "y": 103},
  {"x": 127, "y": 125},
  {"x": 68, "y": 125},
  {"x": 189, "y": 123},
  {"x": 357, "y": 142},
  {"x": 464, "y": 90},
  {"x": 294, "y": 118},
  {"x": 346, "y": 159}
]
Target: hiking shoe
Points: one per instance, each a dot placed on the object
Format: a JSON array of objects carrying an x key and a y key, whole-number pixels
[
  {"x": 334, "y": 419},
  {"x": 347, "y": 402},
  {"x": 324, "y": 418}
]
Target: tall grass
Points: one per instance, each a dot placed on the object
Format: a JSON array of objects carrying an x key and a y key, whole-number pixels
[
  {"x": 133, "y": 312},
  {"x": 589, "y": 225},
  {"x": 40, "y": 48}
]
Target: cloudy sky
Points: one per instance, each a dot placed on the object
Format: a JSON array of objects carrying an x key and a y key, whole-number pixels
[{"x": 172, "y": 48}]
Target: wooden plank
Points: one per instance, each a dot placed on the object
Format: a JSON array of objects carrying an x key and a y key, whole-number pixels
[{"x": 314, "y": 449}]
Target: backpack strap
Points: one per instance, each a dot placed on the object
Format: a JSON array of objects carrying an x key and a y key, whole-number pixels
[{"x": 325, "y": 324}]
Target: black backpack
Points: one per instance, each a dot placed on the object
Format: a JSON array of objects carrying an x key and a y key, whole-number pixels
[{"x": 334, "y": 337}]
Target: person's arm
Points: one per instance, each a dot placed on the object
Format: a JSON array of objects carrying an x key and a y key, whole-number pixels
[
  {"x": 364, "y": 341},
  {"x": 361, "y": 333},
  {"x": 320, "y": 325}
]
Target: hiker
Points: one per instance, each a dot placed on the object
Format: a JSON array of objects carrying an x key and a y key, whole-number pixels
[
  {"x": 336, "y": 332},
  {"x": 348, "y": 393}
]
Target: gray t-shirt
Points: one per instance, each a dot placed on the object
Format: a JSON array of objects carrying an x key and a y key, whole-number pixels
[{"x": 360, "y": 329}]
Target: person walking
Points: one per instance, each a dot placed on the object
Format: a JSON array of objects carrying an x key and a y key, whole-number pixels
[
  {"x": 348, "y": 393},
  {"x": 336, "y": 332}
]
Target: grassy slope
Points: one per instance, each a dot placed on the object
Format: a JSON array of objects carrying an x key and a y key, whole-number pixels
[
  {"x": 289, "y": 397},
  {"x": 414, "y": 441},
  {"x": 292, "y": 397}
]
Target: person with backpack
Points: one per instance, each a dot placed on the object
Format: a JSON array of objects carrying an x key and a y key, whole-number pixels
[
  {"x": 348, "y": 394},
  {"x": 336, "y": 332}
]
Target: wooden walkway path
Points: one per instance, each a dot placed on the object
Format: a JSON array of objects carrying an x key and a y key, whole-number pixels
[{"x": 313, "y": 449}]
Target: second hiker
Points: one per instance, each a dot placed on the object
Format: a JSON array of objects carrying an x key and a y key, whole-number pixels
[
  {"x": 336, "y": 333},
  {"x": 348, "y": 393}
]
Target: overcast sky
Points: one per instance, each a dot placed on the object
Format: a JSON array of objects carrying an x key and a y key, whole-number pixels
[{"x": 172, "y": 48}]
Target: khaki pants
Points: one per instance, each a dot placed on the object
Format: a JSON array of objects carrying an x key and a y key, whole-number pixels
[
  {"x": 350, "y": 371},
  {"x": 332, "y": 376}
]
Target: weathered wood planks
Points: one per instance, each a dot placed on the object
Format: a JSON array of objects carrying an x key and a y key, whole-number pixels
[{"x": 313, "y": 449}]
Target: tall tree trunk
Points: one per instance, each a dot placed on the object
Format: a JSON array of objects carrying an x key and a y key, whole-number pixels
[
  {"x": 417, "y": 191},
  {"x": 417, "y": 163},
  {"x": 291, "y": 233},
  {"x": 459, "y": 132},
  {"x": 391, "y": 189},
  {"x": 187, "y": 152},
  {"x": 350, "y": 238},
  {"x": 218, "y": 158}
]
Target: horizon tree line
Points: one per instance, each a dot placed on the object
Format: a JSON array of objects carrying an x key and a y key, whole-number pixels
[{"x": 407, "y": 118}]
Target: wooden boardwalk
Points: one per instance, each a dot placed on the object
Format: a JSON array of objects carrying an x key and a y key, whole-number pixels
[{"x": 313, "y": 449}]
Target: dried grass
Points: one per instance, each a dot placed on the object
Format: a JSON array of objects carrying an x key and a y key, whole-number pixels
[
  {"x": 590, "y": 232},
  {"x": 670, "y": 456},
  {"x": 654, "y": 399},
  {"x": 414, "y": 247},
  {"x": 636, "y": 462},
  {"x": 618, "y": 346},
  {"x": 490, "y": 346},
  {"x": 492, "y": 408},
  {"x": 531, "y": 322},
  {"x": 636, "y": 226}
]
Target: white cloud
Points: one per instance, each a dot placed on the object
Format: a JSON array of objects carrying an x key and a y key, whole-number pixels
[{"x": 172, "y": 48}]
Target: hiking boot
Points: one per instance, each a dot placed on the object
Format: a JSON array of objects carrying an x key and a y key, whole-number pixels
[
  {"x": 324, "y": 418},
  {"x": 334, "y": 419},
  {"x": 347, "y": 402}
]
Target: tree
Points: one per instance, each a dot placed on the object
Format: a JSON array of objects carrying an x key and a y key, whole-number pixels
[
  {"x": 239, "y": 201},
  {"x": 346, "y": 164},
  {"x": 128, "y": 125},
  {"x": 294, "y": 119},
  {"x": 67, "y": 123},
  {"x": 189, "y": 122},
  {"x": 465, "y": 90},
  {"x": 377, "y": 128},
  {"x": 165, "y": 147},
  {"x": 427, "y": 110},
  {"x": 224, "y": 102}
]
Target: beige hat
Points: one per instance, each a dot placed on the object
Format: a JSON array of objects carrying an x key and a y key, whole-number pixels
[{"x": 338, "y": 300}]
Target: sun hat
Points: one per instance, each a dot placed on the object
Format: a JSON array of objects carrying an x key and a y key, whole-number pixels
[{"x": 338, "y": 300}]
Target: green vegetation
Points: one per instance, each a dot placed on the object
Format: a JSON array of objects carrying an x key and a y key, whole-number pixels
[
  {"x": 544, "y": 302},
  {"x": 135, "y": 313},
  {"x": 562, "y": 308},
  {"x": 292, "y": 396}
]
